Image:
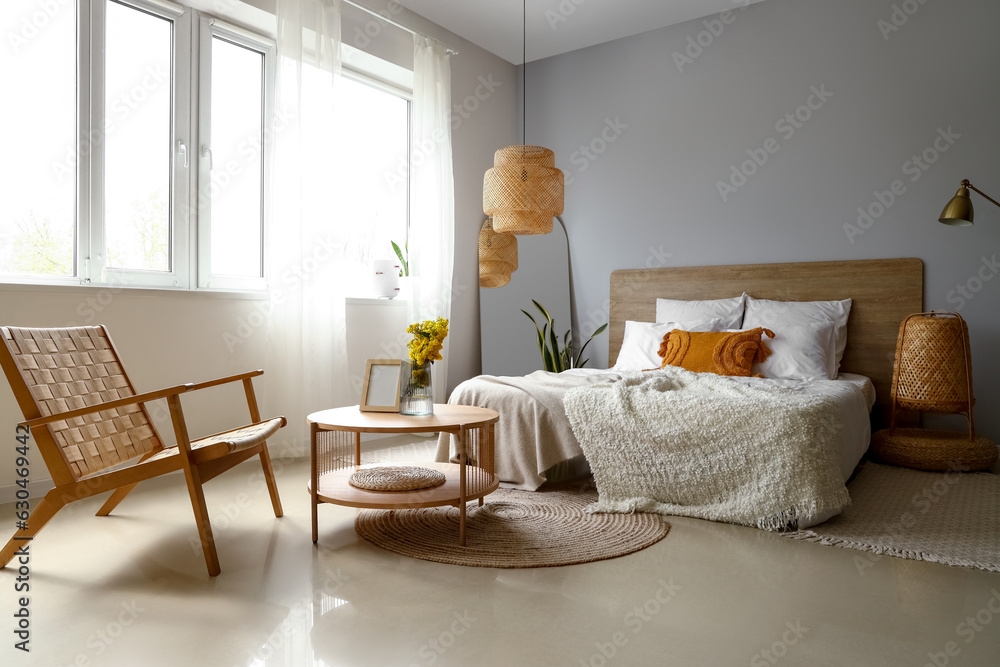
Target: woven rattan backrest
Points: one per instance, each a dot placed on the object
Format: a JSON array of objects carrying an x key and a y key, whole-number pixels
[
  {"x": 933, "y": 371},
  {"x": 67, "y": 369}
]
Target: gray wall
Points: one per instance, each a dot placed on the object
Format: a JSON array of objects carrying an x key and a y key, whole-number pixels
[{"x": 650, "y": 196}]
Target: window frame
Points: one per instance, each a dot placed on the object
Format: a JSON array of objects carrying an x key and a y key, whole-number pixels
[
  {"x": 400, "y": 90},
  {"x": 190, "y": 131},
  {"x": 91, "y": 264},
  {"x": 210, "y": 28}
]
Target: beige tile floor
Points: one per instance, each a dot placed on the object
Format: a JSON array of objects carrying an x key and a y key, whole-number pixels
[{"x": 132, "y": 590}]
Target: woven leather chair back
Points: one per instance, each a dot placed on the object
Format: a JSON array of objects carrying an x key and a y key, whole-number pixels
[
  {"x": 67, "y": 369},
  {"x": 933, "y": 371}
]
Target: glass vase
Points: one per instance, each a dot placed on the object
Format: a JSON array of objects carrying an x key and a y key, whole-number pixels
[{"x": 416, "y": 389}]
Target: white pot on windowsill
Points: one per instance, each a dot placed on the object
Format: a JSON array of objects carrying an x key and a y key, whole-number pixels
[{"x": 385, "y": 278}]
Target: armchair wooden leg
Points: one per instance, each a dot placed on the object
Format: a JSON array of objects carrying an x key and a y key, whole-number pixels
[
  {"x": 272, "y": 486},
  {"x": 193, "y": 477},
  {"x": 192, "y": 474},
  {"x": 112, "y": 502},
  {"x": 47, "y": 507}
]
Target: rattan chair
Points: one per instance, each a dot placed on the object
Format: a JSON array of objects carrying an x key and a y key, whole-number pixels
[
  {"x": 933, "y": 373},
  {"x": 87, "y": 420}
]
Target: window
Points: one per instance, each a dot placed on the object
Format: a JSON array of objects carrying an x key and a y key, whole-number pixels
[
  {"x": 37, "y": 178},
  {"x": 234, "y": 138},
  {"x": 139, "y": 166},
  {"x": 372, "y": 180}
]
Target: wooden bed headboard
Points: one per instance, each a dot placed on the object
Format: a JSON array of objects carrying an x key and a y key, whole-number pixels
[{"x": 884, "y": 292}]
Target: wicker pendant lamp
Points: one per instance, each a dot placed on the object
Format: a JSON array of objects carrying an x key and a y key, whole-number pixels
[
  {"x": 497, "y": 256},
  {"x": 933, "y": 373},
  {"x": 524, "y": 190}
]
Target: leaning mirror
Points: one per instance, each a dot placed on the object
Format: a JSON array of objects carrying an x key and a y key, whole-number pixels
[{"x": 537, "y": 270}]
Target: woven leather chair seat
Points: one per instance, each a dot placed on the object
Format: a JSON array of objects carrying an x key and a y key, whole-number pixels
[
  {"x": 925, "y": 449},
  {"x": 228, "y": 442}
]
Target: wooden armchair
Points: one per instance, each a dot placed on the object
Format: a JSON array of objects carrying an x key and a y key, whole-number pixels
[{"x": 86, "y": 418}]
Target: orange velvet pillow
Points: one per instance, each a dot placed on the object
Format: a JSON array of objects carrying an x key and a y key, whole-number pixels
[{"x": 723, "y": 353}]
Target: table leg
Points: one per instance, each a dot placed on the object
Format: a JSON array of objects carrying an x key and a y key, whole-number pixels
[
  {"x": 314, "y": 473},
  {"x": 462, "y": 460},
  {"x": 357, "y": 448}
]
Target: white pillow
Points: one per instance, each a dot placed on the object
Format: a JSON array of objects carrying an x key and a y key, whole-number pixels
[
  {"x": 729, "y": 311},
  {"x": 641, "y": 342},
  {"x": 778, "y": 314},
  {"x": 801, "y": 352}
]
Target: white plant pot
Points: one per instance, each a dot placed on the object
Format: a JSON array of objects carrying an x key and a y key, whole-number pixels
[{"x": 385, "y": 278}]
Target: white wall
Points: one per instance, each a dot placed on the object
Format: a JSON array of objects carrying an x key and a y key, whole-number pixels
[
  {"x": 659, "y": 139},
  {"x": 169, "y": 337},
  {"x": 164, "y": 338}
]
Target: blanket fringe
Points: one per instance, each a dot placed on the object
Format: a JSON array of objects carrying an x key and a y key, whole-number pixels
[
  {"x": 784, "y": 521},
  {"x": 882, "y": 550}
]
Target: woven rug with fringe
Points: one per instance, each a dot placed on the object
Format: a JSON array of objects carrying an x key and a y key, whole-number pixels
[
  {"x": 951, "y": 518},
  {"x": 514, "y": 529}
]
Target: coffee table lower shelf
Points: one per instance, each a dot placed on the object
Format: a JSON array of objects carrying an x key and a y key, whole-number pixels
[{"x": 334, "y": 488}]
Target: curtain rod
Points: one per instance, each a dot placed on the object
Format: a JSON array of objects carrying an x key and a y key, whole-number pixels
[{"x": 352, "y": 3}]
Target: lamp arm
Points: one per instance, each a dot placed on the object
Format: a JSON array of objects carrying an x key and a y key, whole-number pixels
[{"x": 973, "y": 187}]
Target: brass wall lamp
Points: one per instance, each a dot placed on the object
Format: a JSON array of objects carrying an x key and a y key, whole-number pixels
[{"x": 958, "y": 212}]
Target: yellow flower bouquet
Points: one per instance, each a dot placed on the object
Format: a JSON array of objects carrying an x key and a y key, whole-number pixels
[
  {"x": 423, "y": 349},
  {"x": 428, "y": 339}
]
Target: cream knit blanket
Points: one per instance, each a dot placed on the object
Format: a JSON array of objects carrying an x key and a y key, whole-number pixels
[{"x": 704, "y": 446}]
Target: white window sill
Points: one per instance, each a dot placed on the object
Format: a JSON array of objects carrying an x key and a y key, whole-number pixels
[{"x": 70, "y": 288}]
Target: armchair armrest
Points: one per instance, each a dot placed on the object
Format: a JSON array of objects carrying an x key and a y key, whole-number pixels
[
  {"x": 107, "y": 405},
  {"x": 225, "y": 380}
]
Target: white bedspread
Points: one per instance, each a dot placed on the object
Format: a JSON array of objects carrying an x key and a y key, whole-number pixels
[
  {"x": 701, "y": 445},
  {"x": 534, "y": 435}
]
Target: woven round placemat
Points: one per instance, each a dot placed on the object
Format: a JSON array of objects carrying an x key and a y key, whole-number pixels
[
  {"x": 396, "y": 478},
  {"x": 514, "y": 529}
]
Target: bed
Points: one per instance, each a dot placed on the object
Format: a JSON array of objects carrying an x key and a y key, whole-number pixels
[{"x": 536, "y": 444}]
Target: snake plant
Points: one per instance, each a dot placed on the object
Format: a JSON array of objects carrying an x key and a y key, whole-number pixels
[{"x": 556, "y": 357}]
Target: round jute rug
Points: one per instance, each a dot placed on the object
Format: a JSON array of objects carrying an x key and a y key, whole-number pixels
[{"x": 514, "y": 529}]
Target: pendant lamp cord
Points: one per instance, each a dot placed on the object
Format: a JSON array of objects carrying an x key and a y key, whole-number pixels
[{"x": 524, "y": 72}]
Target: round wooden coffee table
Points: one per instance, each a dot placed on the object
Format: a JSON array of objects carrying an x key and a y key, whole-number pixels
[{"x": 335, "y": 452}]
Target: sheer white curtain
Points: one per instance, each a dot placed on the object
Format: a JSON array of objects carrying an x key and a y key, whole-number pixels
[
  {"x": 306, "y": 346},
  {"x": 432, "y": 203}
]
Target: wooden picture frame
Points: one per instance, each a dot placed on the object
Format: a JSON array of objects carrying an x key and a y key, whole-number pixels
[{"x": 380, "y": 391}]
